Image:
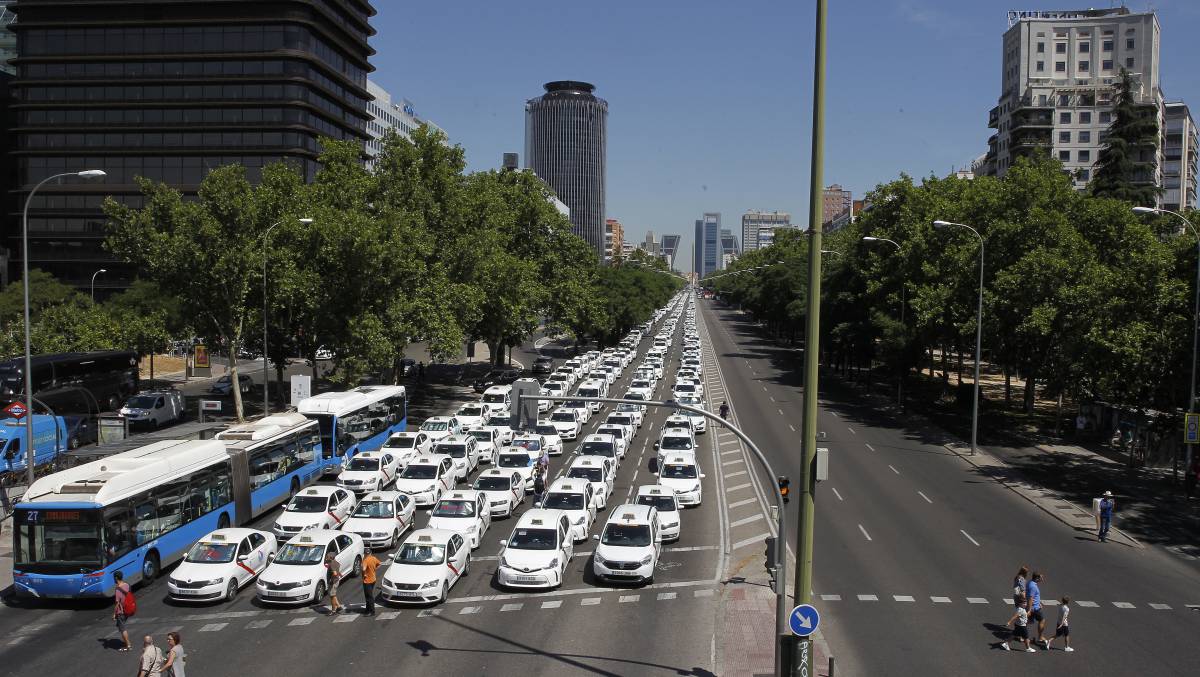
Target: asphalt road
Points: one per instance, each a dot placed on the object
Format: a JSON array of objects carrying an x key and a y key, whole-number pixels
[
  {"x": 915, "y": 551},
  {"x": 667, "y": 627}
]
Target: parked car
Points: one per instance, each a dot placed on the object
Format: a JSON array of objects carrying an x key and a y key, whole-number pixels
[
  {"x": 154, "y": 408},
  {"x": 224, "y": 385},
  {"x": 496, "y": 377}
]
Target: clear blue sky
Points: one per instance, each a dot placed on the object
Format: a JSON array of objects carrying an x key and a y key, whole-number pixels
[{"x": 709, "y": 102}]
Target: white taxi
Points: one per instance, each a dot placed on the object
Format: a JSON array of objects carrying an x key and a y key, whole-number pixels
[
  {"x": 680, "y": 472},
  {"x": 550, "y": 439},
  {"x": 598, "y": 444},
  {"x": 368, "y": 471},
  {"x": 321, "y": 507},
  {"x": 463, "y": 450},
  {"x": 426, "y": 478},
  {"x": 425, "y": 567},
  {"x": 471, "y": 415},
  {"x": 663, "y": 500},
  {"x": 437, "y": 427},
  {"x": 629, "y": 546},
  {"x": 622, "y": 434},
  {"x": 574, "y": 498},
  {"x": 674, "y": 440},
  {"x": 699, "y": 422},
  {"x": 504, "y": 488},
  {"x": 626, "y": 420},
  {"x": 635, "y": 411},
  {"x": 501, "y": 425},
  {"x": 538, "y": 551},
  {"x": 567, "y": 422},
  {"x": 598, "y": 471},
  {"x": 380, "y": 518},
  {"x": 298, "y": 573},
  {"x": 464, "y": 512},
  {"x": 518, "y": 460},
  {"x": 220, "y": 564},
  {"x": 406, "y": 446},
  {"x": 486, "y": 443},
  {"x": 582, "y": 409}
]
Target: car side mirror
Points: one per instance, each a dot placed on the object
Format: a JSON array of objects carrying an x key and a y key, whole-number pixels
[
  {"x": 537, "y": 504},
  {"x": 702, "y": 475},
  {"x": 243, "y": 558},
  {"x": 503, "y": 543},
  {"x": 595, "y": 537},
  {"x": 392, "y": 556},
  {"x": 656, "y": 445}
]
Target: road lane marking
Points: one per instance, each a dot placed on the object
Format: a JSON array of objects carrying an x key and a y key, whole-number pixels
[
  {"x": 731, "y": 452},
  {"x": 893, "y": 468},
  {"x": 851, "y": 430},
  {"x": 940, "y": 600},
  {"x": 512, "y": 607},
  {"x": 726, "y": 463},
  {"x": 387, "y": 615},
  {"x": 426, "y": 613},
  {"x": 303, "y": 621},
  {"x": 470, "y": 610},
  {"x": 735, "y": 474},
  {"x": 738, "y": 504},
  {"x": 736, "y": 488},
  {"x": 751, "y": 541},
  {"x": 977, "y": 600},
  {"x": 213, "y": 627},
  {"x": 629, "y": 598},
  {"x": 904, "y": 598},
  {"x": 552, "y": 604},
  {"x": 864, "y": 532},
  {"x": 666, "y": 595},
  {"x": 780, "y": 411},
  {"x": 868, "y": 598},
  {"x": 792, "y": 427},
  {"x": 869, "y": 447},
  {"x": 764, "y": 389},
  {"x": 692, "y": 548},
  {"x": 746, "y": 520},
  {"x": 1160, "y": 607},
  {"x": 258, "y": 625},
  {"x": 589, "y": 601},
  {"x": 969, "y": 537},
  {"x": 771, "y": 398},
  {"x": 1123, "y": 605},
  {"x": 835, "y": 493},
  {"x": 922, "y": 495},
  {"x": 831, "y": 598},
  {"x": 1084, "y": 603}
]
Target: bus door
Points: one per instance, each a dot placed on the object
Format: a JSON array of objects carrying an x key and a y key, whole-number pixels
[{"x": 242, "y": 507}]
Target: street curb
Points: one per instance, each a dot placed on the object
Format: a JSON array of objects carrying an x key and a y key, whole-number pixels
[{"x": 1020, "y": 491}]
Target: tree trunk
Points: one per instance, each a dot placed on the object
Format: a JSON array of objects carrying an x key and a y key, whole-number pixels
[
  {"x": 960, "y": 364},
  {"x": 1007, "y": 387},
  {"x": 1030, "y": 392},
  {"x": 279, "y": 394},
  {"x": 235, "y": 387}
]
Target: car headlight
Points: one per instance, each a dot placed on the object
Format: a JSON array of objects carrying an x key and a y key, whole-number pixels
[
  {"x": 379, "y": 534},
  {"x": 553, "y": 564},
  {"x": 432, "y": 487},
  {"x": 504, "y": 562},
  {"x": 581, "y": 520},
  {"x": 309, "y": 527},
  {"x": 431, "y": 584},
  {"x": 671, "y": 525},
  {"x": 697, "y": 487},
  {"x": 278, "y": 526},
  {"x": 647, "y": 559},
  {"x": 600, "y": 560},
  {"x": 304, "y": 583}
]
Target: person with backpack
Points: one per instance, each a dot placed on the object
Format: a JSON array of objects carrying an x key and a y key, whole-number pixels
[
  {"x": 124, "y": 606},
  {"x": 335, "y": 577}
]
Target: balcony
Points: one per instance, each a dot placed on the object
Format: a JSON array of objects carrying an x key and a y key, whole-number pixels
[{"x": 994, "y": 118}]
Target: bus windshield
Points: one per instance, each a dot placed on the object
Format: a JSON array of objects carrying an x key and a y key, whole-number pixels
[{"x": 57, "y": 541}]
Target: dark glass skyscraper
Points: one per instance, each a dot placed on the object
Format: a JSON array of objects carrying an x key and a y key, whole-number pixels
[
  {"x": 168, "y": 91},
  {"x": 565, "y": 145}
]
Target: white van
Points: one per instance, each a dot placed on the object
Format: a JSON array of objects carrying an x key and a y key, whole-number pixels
[
  {"x": 497, "y": 398},
  {"x": 594, "y": 388}
]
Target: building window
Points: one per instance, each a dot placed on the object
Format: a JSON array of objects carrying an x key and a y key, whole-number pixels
[
  {"x": 1084, "y": 174},
  {"x": 1085, "y": 156},
  {"x": 1107, "y": 64},
  {"x": 1042, "y": 100},
  {"x": 1105, "y": 117},
  {"x": 1064, "y": 100},
  {"x": 1128, "y": 43},
  {"x": 1083, "y": 66},
  {"x": 1129, "y": 62},
  {"x": 1107, "y": 45},
  {"x": 1064, "y": 137},
  {"x": 1041, "y": 48},
  {"x": 1085, "y": 137},
  {"x": 1085, "y": 118},
  {"x": 1064, "y": 118},
  {"x": 1064, "y": 156},
  {"x": 1060, "y": 66},
  {"x": 1060, "y": 48},
  {"x": 1085, "y": 47},
  {"x": 1041, "y": 66}
]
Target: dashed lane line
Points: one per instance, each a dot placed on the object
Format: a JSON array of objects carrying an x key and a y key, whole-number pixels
[
  {"x": 736, "y": 488},
  {"x": 751, "y": 541},
  {"x": 666, "y": 595},
  {"x": 792, "y": 427},
  {"x": 1160, "y": 607},
  {"x": 835, "y": 493},
  {"x": 512, "y": 607},
  {"x": 977, "y": 600},
  {"x": 746, "y": 520},
  {"x": 738, "y": 504},
  {"x": 922, "y": 495},
  {"x": 851, "y": 430},
  {"x": 868, "y": 598},
  {"x": 735, "y": 474},
  {"x": 625, "y": 599},
  {"x": 552, "y": 604},
  {"x": 870, "y": 448},
  {"x": 213, "y": 627},
  {"x": 780, "y": 411},
  {"x": 893, "y": 468},
  {"x": 1123, "y": 605},
  {"x": 303, "y": 620},
  {"x": 940, "y": 600},
  {"x": 864, "y": 532},
  {"x": 904, "y": 598},
  {"x": 969, "y": 537}
]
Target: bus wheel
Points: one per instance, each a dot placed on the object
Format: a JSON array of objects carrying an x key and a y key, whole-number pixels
[
  {"x": 223, "y": 523},
  {"x": 150, "y": 568}
]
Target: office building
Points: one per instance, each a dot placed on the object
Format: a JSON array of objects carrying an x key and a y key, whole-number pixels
[
  {"x": 8, "y": 39},
  {"x": 650, "y": 245},
  {"x": 707, "y": 259},
  {"x": 565, "y": 145},
  {"x": 169, "y": 92},
  {"x": 614, "y": 235},
  {"x": 835, "y": 203},
  {"x": 669, "y": 246},
  {"x": 626, "y": 249},
  {"x": 1180, "y": 149},
  {"x": 386, "y": 114},
  {"x": 754, "y": 222},
  {"x": 1059, "y": 73},
  {"x": 729, "y": 245}
]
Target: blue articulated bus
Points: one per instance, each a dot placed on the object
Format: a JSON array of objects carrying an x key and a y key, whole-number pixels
[
  {"x": 356, "y": 420},
  {"x": 139, "y": 511}
]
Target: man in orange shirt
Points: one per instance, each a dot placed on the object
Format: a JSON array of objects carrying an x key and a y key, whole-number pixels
[{"x": 369, "y": 564}]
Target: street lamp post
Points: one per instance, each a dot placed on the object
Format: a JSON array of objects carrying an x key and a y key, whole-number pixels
[
  {"x": 266, "y": 369},
  {"x": 903, "y": 326},
  {"x": 102, "y": 270},
  {"x": 1195, "y": 318},
  {"x": 978, "y": 331},
  {"x": 85, "y": 174}
]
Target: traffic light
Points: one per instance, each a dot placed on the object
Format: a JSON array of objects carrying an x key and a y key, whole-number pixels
[{"x": 784, "y": 483}]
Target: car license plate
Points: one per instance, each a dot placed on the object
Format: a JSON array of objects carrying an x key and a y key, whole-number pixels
[
  {"x": 528, "y": 579},
  {"x": 408, "y": 593},
  {"x": 187, "y": 592},
  {"x": 275, "y": 593}
]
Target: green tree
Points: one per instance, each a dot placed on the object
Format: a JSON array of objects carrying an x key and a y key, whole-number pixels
[
  {"x": 44, "y": 291},
  {"x": 1125, "y": 167}
]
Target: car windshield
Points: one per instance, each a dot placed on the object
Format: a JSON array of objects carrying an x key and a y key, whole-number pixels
[
  {"x": 597, "y": 448},
  {"x": 211, "y": 553},
  {"x": 640, "y": 384},
  {"x": 662, "y": 502},
  {"x": 435, "y": 426},
  {"x": 620, "y": 420},
  {"x": 588, "y": 392},
  {"x": 481, "y": 435},
  {"x": 563, "y": 417},
  {"x": 308, "y": 504},
  {"x": 453, "y": 450},
  {"x": 685, "y": 388},
  {"x": 576, "y": 404},
  {"x": 676, "y": 442},
  {"x": 373, "y": 509},
  {"x": 626, "y": 535},
  {"x": 533, "y": 539},
  {"x": 625, "y": 406},
  {"x": 472, "y": 410},
  {"x": 499, "y": 421},
  {"x": 453, "y": 508},
  {"x": 546, "y": 430},
  {"x": 492, "y": 484},
  {"x": 494, "y": 398},
  {"x": 679, "y": 471},
  {"x": 141, "y": 402},
  {"x": 298, "y": 553},
  {"x": 359, "y": 463},
  {"x": 563, "y": 501},
  {"x": 635, "y": 396},
  {"x": 402, "y": 442},
  {"x": 589, "y": 474},
  {"x": 514, "y": 461},
  {"x": 419, "y": 472},
  {"x": 420, "y": 553}
]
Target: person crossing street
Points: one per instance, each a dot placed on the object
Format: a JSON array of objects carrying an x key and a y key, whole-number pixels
[
  {"x": 369, "y": 564},
  {"x": 1107, "y": 504}
]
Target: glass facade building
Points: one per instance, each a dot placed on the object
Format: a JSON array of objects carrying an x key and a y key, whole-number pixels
[{"x": 169, "y": 90}]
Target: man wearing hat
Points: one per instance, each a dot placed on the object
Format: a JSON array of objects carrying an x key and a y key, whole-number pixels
[{"x": 1106, "y": 510}]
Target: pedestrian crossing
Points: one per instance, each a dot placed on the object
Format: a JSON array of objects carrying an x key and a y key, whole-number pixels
[{"x": 1007, "y": 601}]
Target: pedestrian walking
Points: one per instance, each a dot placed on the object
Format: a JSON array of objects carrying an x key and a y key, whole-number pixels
[
  {"x": 369, "y": 564},
  {"x": 724, "y": 411},
  {"x": 539, "y": 488},
  {"x": 1033, "y": 604},
  {"x": 1107, "y": 505},
  {"x": 335, "y": 577},
  {"x": 1020, "y": 631},
  {"x": 1019, "y": 581},
  {"x": 122, "y": 598},
  {"x": 1063, "y": 628},
  {"x": 176, "y": 657},
  {"x": 152, "y": 661}
]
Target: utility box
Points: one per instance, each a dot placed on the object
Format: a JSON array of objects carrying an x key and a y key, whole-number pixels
[
  {"x": 821, "y": 464},
  {"x": 112, "y": 428},
  {"x": 524, "y": 398}
]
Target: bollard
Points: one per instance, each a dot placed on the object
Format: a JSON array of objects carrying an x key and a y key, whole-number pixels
[{"x": 831, "y": 666}]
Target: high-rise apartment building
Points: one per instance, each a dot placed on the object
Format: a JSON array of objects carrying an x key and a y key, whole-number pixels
[
  {"x": 565, "y": 145},
  {"x": 387, "y": 113},
  {"x": 1058, "y": 77},
  {"x": 707, "y": 259},
  {"x": 169, "y": 91},
  {"x": 754, "y": 222},
  {"x": 1180, "y": 149},
  {"x": 835, "y": 203},
  {"x": 614, "y": 235}
]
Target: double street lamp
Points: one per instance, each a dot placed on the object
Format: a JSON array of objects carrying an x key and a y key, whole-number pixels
[
  {"x": 266, "y": 370},
  {"x": 978, "y": 330},
  {"x": 29, "y": 446}
]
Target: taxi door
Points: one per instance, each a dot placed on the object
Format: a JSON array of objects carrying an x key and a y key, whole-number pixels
[
  {"x": 403, "y": 508},
  {"x": 567, "y": 543},
  {"x": 387, "y": 466},
  {"x": 516, "y": 488},
  {"x": 485, "y": 514}
]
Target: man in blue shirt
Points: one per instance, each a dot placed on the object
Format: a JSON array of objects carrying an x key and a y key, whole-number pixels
[
  {"x": 1033, "y": 603},
  {"x": 1106, "y": 510}
]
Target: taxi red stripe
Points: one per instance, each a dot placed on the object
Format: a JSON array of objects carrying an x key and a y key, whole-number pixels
[
  {"x": 335, "y": 517},
  {"x": 248, "y": 569},
  {"x": 451, "y": 566}
]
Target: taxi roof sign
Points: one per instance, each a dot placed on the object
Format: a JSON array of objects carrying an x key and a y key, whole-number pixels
[
  {"x": 306, "y": 539},
  {"x": 311, "y": 492},
  {"x": 425, "y": 538},
  {"x": 217, "y": 537}
]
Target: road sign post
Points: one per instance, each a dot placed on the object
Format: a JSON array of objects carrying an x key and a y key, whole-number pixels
[
  {"x": 17, "y": 410},
  {"x": 1191, "y": 428}
]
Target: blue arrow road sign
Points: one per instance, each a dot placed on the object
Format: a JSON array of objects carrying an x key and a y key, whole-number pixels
[
  {"x": 804, "y": 620},
  {"x": 1191, "y": 429}
]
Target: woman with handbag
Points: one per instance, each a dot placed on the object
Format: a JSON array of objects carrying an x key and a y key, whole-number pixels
[{"x": 176, "y": 657}]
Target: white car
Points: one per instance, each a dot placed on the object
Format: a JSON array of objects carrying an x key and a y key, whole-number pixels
[
  {"x": 669, "y": 513},
  {"x": 425, "y": 567},
  {"x": 381, "y": 517},
  {"x": 575, "y": 498},
  {"x": 471, "y": 415},
  {"x": 643, "y": 386},
  {"x": 504, "y": 488},
  {"x": 551, "y": 389},
  {"x": 673, "y": 441},
  {"x": 319, "y": 507},
  {"x": 426, "y": 478},
  {"x": 686, "y": 390},
  {"x": 464, "y": 512},
  {"x": 154, "y": 408},
  {"x": 550, "y": 438},
  {"x": 485, "y": 443},
  {"x": 497, "y": 398},
  {"x": 566, "y": 422},
  {"x": 592, "y": 389},
  {"x": 602, "y": 445},
  {"x": 406, "y": 446},
  {"x": 500, "y": 424},
  {"x": 597, "y": 470},
  {"x": 630, "y": 545},
  {"x": 437, "y": 427},
  {"x": 600, "y": 375},
  {"x": 538, "y": 551},
  {"x": 681, "y": 473},
  {"x": 620, "y": 433},
  {"x": 678, "y": 422},
  {"x": 463, "y": 450},
  {"x": 518, "y": 460},
  {"x": 298, "y": 573},
  {"x": 637, "y": 411},
  {"x": 580, "y": 407},
  {"x": 699, "y": 421},
  {"x": 368, "y": 471},
  {"x": 220, "y": 564},
  {"x": 625, "y": 419}
]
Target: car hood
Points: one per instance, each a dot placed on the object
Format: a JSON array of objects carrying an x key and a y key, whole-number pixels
[
  {"x": 414, "y": 573},
  {"x": 369, "y": 524},
  {"x": 435, "y": 435},
  {"x": 461, "y": 525},
  {"x": 360, "y": 475},
  {"x": 530, "y": 560},
  {"x": 292, "y": 573},
  {"x": 621, "y": 553},
  {"x": 302, "y": 519},
  {"x": 679, "y": 484},
  {"x": 196, "y": 571},
  {"x": 497, "y": 494},
  {"x": 464, "y": 420},
  {"x": 414, "y": 486}
]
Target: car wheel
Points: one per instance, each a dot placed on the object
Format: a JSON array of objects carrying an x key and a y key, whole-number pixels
[
  {"x": 231, "y": 591},
  {"x": 445, "y": 593},
  {"x": 357, "y": 570},
  {"x": 395, "y": 539},
  {"x": 467, "y": 567},
  {"x": 319, "y": 593}
]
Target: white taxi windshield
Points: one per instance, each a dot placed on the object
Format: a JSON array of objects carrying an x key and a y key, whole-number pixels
[
  {"x": 419, "y": 553},
  {"x": 211, "y": 553}
]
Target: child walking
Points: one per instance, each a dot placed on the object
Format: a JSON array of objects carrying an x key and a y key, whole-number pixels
[
  {"x": 1021, "y": 629},
  {"x": 1063, "y": 629}
]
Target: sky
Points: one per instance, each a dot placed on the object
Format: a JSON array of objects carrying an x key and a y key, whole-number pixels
[{"x": 710, "y": 102}]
